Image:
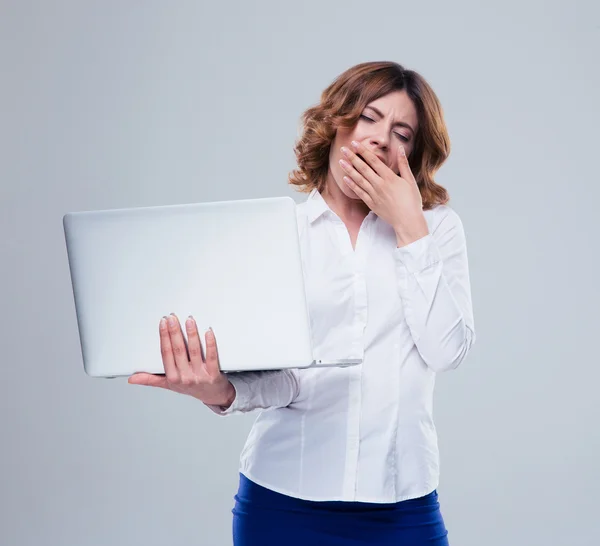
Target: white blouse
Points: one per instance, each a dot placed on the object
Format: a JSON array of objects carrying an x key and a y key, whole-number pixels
[{"x": 365, "y": 432}]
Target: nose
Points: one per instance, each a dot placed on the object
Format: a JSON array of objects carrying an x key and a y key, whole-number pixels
[
  {"x": 379, "y": 140},
  {"x": 379, "y": 146}
]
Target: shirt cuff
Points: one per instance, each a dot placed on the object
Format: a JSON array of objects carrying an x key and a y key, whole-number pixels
[
  {"x": 242, "y": 392},
  {"x": 419, "y": 254}
]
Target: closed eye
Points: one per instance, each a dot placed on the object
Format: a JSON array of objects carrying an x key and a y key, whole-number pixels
[{"x": 401, "y": 137}]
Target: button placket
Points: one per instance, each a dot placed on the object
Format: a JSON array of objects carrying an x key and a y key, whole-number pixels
[{"x": 355, "y": 386}]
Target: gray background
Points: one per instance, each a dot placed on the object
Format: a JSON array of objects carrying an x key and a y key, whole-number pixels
[{"x": 122, "y": 104}]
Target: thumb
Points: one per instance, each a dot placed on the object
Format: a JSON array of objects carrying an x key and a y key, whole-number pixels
[
  {"x": 151, "y": 380},
  {"x": 404, "y": 167},
  {"x": 402, "y": 161}
]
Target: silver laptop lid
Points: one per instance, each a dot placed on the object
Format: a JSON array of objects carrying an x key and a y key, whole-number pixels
[{"x": 233, "y": 265}]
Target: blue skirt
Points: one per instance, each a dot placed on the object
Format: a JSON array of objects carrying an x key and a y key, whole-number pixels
[{"x": 262, "y": 517}]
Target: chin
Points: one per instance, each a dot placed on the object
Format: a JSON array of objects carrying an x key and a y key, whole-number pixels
[{"x": 349, "y": 193}]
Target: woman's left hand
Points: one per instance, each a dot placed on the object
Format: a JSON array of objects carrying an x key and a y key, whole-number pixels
[{"x": 395, "y": 199}]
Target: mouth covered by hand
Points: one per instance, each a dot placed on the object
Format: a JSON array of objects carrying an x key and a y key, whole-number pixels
[{"x": 367, "y": 163}]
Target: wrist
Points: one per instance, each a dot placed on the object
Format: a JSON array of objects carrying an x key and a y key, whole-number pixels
[
  {"x": 229, "y": 395},
  {"x": 404, "y": 237},
  {"x": 412, "y": 230}
]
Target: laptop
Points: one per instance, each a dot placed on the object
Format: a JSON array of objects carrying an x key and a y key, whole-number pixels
[{"x": 234, "y": 265}]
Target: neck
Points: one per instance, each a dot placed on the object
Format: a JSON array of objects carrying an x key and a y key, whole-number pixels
[{"x": 348, "y": 209}]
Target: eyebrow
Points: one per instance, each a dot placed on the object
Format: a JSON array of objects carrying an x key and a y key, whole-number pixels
[{"x": 400, "y": 123}]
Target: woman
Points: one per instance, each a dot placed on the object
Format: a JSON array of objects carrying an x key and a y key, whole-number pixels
[{"x": 349, "y": 456}]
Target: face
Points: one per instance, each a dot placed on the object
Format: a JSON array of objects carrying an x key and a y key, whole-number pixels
[{"x": 384, "y": 124}]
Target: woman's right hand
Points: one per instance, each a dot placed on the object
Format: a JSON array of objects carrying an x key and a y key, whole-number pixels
[{"x": 199, "y": 376}]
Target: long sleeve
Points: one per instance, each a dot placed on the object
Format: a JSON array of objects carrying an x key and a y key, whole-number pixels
[
  {"x": 434, "y": 285},
  {"x": 261, "y": 390}
]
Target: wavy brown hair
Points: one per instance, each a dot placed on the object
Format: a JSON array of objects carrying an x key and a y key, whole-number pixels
[{"x": 341, "y": 105}]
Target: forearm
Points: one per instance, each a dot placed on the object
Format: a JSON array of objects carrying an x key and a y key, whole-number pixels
[{"x": 434, "y": 285}]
